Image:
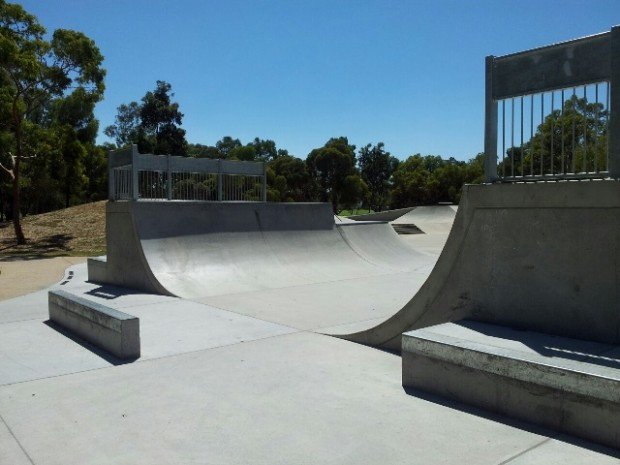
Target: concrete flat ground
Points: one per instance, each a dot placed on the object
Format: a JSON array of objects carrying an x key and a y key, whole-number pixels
[{"x": 217, "y": 387}]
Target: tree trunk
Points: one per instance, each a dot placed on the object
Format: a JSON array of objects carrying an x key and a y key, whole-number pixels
[
  {"x": 67, "y": 195},
  {"x": 19, "y": 233},
  {"x": 2, "y": 214}
]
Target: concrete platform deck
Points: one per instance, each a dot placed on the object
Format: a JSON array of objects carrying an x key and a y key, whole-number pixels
[
  {"x": 565, "y": 384},
  {"x": 214, "y": 386}
]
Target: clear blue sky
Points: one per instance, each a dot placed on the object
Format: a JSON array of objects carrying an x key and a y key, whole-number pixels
[{"x": 408, "y": 73}]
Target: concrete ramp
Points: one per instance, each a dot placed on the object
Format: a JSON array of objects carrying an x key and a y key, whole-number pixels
[
  {"x": 544, "y": 257},
  {"x": 434, "y": 219},
  {"x": 201, "y": 249},
  {"x": 541, "y": 256}
]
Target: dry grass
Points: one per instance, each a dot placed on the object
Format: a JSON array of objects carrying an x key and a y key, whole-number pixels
[{"x": 74, "y": 231}]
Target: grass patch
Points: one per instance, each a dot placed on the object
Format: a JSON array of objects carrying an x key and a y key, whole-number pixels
[
  {"x": 356, "y": 211},
  {"x": 76, "y": 232}
]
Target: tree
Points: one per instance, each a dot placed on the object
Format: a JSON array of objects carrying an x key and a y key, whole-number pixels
[
  {"x": 203, "y": 151},
  {"x": 288, "y": 180},
  {"x": 330, "y": 167},
  {"x": 34, "y": 72},
  {"x": 161, "y": 118},
  {"x": 226, "y": 144},
  {"x": 243, "y": 153},
  {"x": 572, "y": 139},
  {"x": 426, "y": 180},
  {"x": 266, "y": 149},
  {"x": 376, "y": 167},
  {"x": 127, "y": 128},
  {"x": 154, "y": 124}
]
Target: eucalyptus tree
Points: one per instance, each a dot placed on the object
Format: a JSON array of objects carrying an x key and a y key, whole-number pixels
[
  {"x": 154, "y": 124},
  {"x": 36, "y": 71},
  {"x": 376, "y": 167},
  {"x": 332, "y": 169}
]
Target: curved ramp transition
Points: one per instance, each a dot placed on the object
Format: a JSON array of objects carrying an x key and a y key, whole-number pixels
[{"x": 543, "y": 256}]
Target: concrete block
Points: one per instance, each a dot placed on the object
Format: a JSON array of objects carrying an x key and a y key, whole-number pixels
[
  {"x": 97, "y": 269},
  {"x": 564, "y": 384},
  {"x": 115, "y": 332}
]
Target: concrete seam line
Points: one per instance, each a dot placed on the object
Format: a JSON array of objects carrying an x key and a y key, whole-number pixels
[
  {"x": 243, "y": 314},
  {"x": 17, "y": 440},
  {"x": 523, "y": 452},
  {"x": 297, "y": 331},
  {"x": 22, "y": 321}
]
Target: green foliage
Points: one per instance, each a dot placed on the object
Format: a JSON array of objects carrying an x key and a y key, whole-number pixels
[
  {"x": 572, "y": 140},
  {"x": 154, "y": 124},
  {"x": 226, "y": 144},
  {"x": 232, "y": 149},
  {"x": 48, "y": 90},
  {"x": 126, "y": 130},
  {"x": 203, "y": 151},
  {"x": 376, "y": 167},
  {"x": 243, "y": 153},
  {"x": 332, "y": 170},
  {"x": 427, "y": 180},
  {"x": 288, "y": 180}
]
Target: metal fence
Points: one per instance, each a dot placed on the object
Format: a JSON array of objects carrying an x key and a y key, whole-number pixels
[
  {"x": 554, "y": 112},
  {"x": 134, "y": 176}
]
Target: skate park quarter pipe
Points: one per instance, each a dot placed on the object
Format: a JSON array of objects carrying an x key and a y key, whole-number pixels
[{"x": 543, "y": 254}]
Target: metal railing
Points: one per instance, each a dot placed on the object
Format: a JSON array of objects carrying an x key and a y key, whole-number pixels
[
  {"x": 554, "y": 112},
  {"x": 134, "y": 176}
]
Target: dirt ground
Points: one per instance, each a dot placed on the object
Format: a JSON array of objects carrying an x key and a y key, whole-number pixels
[{"x": 75, "y": 231}]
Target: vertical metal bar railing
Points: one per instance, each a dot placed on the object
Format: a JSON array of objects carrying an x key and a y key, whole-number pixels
[
  {"x": 574, "y": 112},
  {"x": 562, "y": 166},
  {"x": 136, "y": 176},
  {"x": 566, "y": 135}
]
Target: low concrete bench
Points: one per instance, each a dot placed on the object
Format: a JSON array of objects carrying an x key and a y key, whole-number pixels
[
  {"x": 115, "y": 332},
  {"x": 564, "y": 384}
]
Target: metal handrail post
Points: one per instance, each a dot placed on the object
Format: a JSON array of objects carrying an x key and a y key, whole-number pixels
[
  {"x": 111, "y": 179},
  {"x": 219, "y": 180},
  {"x": 264, "y": 187},
  {"x": 168, "y": 179},
  {"x": 490, "y": 124},
  {"x": 613, "y": 136},
  {"x": 135, "y": 185}
]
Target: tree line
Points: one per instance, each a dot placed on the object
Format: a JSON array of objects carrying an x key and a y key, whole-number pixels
[
  {"x": 336, "y": 172},
  {"x": 49, "y": 158}
]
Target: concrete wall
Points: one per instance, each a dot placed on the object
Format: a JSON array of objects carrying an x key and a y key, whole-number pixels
[{"x": 542, "y": 256}]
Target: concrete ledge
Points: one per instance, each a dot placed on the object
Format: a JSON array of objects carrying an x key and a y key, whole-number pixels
[
  {"x": 564, "y": 384},
  {"x": 113, "y": 331}
]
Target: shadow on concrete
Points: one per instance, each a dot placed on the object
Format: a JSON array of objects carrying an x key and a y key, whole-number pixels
[
  {"x": 549, "y": 345},
  {"x": 109, "y": 292},
  {"x": 512, "y": 422},
  {"x": 88, "y": 346}
]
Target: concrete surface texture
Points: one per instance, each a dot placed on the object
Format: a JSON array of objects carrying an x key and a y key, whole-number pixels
[
  {"x": 566, "y": 384},
  {"x": 213, "y": 386},
  {"x": 285, "y": 263},
  {"x": 115, "y": 332},
  {"x": 432, "y": 219},
  {"x": 201, "y": 249},
  {"x": 539, "y": 256}
]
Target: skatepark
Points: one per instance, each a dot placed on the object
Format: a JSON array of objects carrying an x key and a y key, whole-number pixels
[{"x": 230, "y": 331}]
